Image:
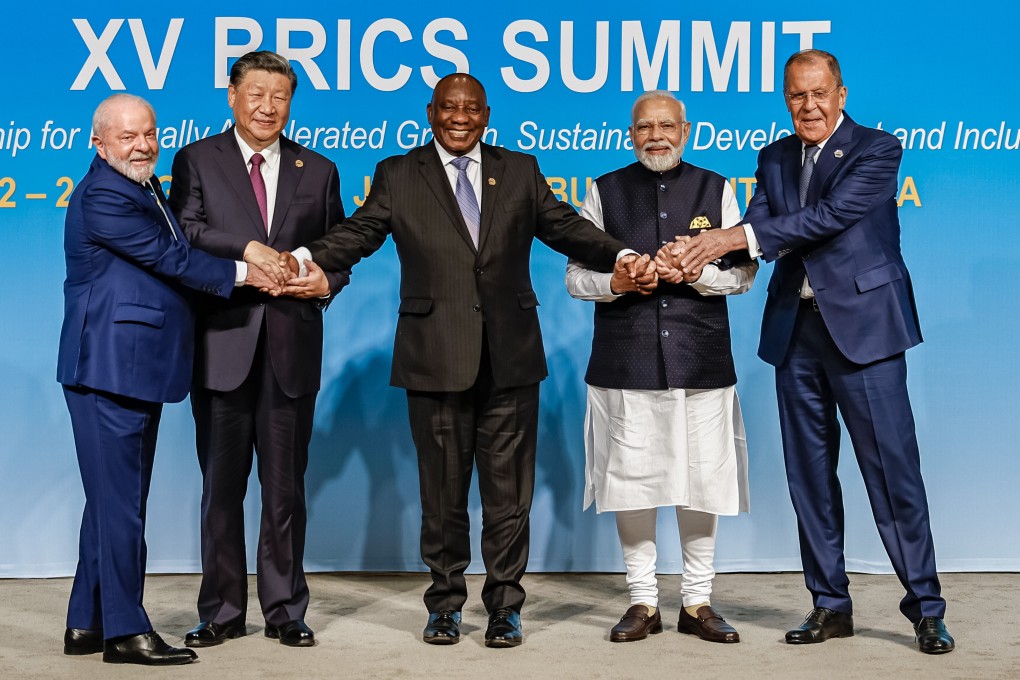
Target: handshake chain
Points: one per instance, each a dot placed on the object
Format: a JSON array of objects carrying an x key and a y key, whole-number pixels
[
  {"x": 641, "y": 273},
  {"x": 280, "y": 273}
]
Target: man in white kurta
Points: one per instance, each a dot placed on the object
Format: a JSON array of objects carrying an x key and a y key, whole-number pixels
[{"x": 663, "y": 424}]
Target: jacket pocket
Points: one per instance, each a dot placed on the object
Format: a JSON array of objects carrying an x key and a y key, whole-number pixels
[
  {"x": 147, "y": 316},
  {"x": 419, "y": 306},
  {"x": 527, "y": 299},
  {"x": 870, "y": 279}
]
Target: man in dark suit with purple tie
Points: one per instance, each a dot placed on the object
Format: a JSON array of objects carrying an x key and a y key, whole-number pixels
[
  {"x": 126, "y": 347},
  {"x": 250, "y": 192},
  {"x": 839, "y": 316}
]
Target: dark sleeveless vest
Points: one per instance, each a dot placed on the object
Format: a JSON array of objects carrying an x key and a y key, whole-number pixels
[{"x": 675, "y": 337}]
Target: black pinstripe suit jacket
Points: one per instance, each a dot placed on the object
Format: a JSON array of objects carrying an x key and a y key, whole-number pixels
[{"x": 448, "y": 288}]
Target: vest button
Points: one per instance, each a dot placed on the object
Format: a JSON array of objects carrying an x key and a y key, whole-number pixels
[
  {"x": 664, "y": 302},
  {"x": 662, "y": 187},
  {"x": 665, "y": 334},
  {"x": 662, "y": 216}
]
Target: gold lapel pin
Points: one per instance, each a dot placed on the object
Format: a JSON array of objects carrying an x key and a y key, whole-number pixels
[
  {"x": 492, "y": 181},
  {"x": 838, "y": 153},
  {"x": 299, "y": 163}
]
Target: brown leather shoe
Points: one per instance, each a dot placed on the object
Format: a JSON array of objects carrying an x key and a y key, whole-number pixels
[
  {"x": 707, "y": 626},
  {"x": 636, "y": 624}
]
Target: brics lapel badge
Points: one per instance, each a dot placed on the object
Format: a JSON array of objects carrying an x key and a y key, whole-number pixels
[
  {"x": 492, "y": 181},
  {"x": 838, "y": 153},
  {"x": 299, "y": 163},
  {"x": 700, "y": 222}
]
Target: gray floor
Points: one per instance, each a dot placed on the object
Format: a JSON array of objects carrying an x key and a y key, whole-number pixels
[{"x": 369, "y": 626}]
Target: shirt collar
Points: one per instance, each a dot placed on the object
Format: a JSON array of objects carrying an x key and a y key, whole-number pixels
[
  {"x": 445, "y": 157},
  {"x": 271, "y": 153}
]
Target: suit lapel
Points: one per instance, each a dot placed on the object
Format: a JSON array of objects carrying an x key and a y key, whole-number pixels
[
  {"x": 791, "y": 166},
  {"x": 436, "y": 178},
  {"x": 286, "y": 186},
  {"x": 831, "y": 156},
  {"x": 232, "y": 164},
  {"x": 491, "y": 177}
]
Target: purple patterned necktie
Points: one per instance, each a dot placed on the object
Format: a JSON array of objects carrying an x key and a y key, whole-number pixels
[
  {"x": 259, "y": 185},
  {"x": 466, "y": 198}
]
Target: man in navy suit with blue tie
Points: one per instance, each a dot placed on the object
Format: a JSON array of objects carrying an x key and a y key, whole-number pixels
[
  {"x": 839, "y": 316},
  {"x": 126, "y": 347}
]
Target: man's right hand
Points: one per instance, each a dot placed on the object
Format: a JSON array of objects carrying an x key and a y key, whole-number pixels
[
  {"x": 290, "y": 263},
  {"x": 268, "y": 260},
  {"x": 257, "y": 278}
]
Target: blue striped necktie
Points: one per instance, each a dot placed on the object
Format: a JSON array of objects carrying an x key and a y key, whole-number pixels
[{"x": 466, "y": 198}]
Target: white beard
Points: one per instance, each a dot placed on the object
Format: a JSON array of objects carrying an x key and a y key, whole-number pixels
[
  {"x": 125, "y": 167},
  {"x": 659, "y": 162}
]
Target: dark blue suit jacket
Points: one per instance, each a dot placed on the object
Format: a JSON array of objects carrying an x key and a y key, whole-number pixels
[
  {"x": 128, "y": 325},
  {"x": 847, "y": 239}
]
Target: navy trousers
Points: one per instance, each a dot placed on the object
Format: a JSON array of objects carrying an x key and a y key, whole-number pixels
[
  {"x": 115, "y": 439},
  {"x": 814, "y": 380}
]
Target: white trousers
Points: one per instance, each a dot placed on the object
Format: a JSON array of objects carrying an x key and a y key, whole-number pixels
[{"x": 697, "y": 542}]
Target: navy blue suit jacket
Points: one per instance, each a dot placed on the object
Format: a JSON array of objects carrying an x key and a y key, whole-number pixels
[
  {"x": 128, "y": 325},
  {"x": 847, "y": 239}
]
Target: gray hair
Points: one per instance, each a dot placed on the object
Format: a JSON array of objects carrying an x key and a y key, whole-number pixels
[
  {"x": 809, "y": 56},
  {"x": 101, "y": 118},
  {"x": 262, "y": 61},
  {"x": 658, "y": 94}
]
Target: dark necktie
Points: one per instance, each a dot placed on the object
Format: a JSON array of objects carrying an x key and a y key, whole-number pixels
[
  {"x": 259, "y": 185},
  {"x": 806, "y": 171},
  {"x": 466, "y": 198}
]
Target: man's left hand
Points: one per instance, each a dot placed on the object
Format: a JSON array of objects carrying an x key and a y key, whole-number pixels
[{"x": 315, "y": 285}]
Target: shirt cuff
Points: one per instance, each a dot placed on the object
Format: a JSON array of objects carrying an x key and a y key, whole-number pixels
[
  {"x": 241, "y": 275},
  {"x": 301, "y": 254},
  {"x": 752, "y": 242}
]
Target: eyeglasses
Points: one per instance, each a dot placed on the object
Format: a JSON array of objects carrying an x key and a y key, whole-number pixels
[
  {"x": 666, "y": 127},
  {"x": 798, "y": 98}
]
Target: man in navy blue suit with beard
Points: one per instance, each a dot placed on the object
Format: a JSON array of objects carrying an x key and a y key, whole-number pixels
[{"x": 126, "y": 347}]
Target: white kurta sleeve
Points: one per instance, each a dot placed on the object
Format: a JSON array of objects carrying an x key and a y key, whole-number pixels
[{"x": 582, "y": 283}]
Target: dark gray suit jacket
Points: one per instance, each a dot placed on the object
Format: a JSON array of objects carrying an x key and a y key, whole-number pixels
[
  {"x": 448, "y": 288},
  {"x": 212, "y": 197}
]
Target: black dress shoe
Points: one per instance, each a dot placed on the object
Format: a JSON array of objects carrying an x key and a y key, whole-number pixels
[
  {"x": 707, "y": 625},
  {"x": 820, "y": 625},
  {"x": 78, "y": 641},
  {"x": 210, "y": 634},
  {"x": 443, "y": 628},
  {"x": 504, "y": 628},
  {"x": 932, "y": 636},
  {"x": 636, "y": 624},
  {"x": 147, "y": 649},
  {"x": 293, "y": 634}
]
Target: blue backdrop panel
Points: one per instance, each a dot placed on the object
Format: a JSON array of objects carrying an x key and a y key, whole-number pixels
[{"x": 561, "y": 78}]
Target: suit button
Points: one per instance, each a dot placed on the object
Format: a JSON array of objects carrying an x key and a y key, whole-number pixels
[
  {"x": 476, "y": 308},
  {"x": 479, "y": 271},
  {"x": 665, "y": 334}
]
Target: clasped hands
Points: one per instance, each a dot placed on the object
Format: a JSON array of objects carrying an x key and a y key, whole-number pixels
[
  {"x": 641, "y": 273},
  {"x": 279, "y": 273},
  {"x": 685, "y": 258}
]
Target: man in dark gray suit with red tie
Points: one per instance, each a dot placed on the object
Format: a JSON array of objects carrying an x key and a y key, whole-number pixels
[
  {"x": 468, "y": 348},
  {"x": 250, "y": 192},
  {"x": 839, "y": 316}
]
